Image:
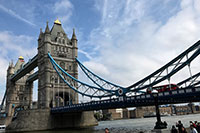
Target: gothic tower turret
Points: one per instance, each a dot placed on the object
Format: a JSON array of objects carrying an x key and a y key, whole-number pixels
[
  {"x": 51, "y": 88},
  {"x": 10, "y": 70},
  {"x": 74, "y": 53},
  {"x": 18, "y": 92}
]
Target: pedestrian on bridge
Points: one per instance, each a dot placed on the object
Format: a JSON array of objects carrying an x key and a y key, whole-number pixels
[
  {"x": 193, "y": 129},
  {"x": 198, "y": 127},
  {"x": 179, "y": 125},
  {"x": 174, "y": 130},
  {"x": 183, "y": 130},
  {"x": 107, "y": 130}
]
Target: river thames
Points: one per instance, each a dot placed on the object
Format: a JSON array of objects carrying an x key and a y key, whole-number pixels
[{"x": 130, "y": 125}]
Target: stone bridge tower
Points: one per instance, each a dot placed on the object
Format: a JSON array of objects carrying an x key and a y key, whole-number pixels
[
  {"x": 19, "y": 93},
  {"x": 51, "y": 89}
]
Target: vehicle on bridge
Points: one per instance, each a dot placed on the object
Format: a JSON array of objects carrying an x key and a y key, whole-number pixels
[{"x": 162, "y": 88}]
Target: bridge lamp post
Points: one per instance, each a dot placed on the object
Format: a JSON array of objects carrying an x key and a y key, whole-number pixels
[{"x": 159, "y": 123}]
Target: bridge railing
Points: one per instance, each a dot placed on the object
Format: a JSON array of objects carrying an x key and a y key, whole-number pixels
[{"x": 144, "y": 99}]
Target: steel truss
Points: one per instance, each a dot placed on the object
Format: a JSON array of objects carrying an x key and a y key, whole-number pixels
[
  {"x": 102, "y": 83},
  {"x": 168, "y": 70},
  {"x": 80, "y": 87},
  {"x": 191, "y": 81}
]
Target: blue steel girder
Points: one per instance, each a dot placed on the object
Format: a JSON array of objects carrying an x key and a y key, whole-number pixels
[
  {"x": 102, "y": 83},
  {"x": 191, "y": 81},
  {"x": 26, "y": 68},
  {"x": 32, "y": 77},
  {"x": 80, "y": 87},
  {"x": 183, "y": 95},
  {"x": 168, "y": 70}
]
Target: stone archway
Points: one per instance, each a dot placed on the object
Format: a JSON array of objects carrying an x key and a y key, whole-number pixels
[{"x": 62, "y": 99}]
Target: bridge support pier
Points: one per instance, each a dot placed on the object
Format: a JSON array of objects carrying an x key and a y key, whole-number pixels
[
  {"x": 42, "y": 119},
  {"x": 159, "y": 123}
]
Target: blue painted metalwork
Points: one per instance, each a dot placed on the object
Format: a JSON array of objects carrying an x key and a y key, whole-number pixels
[
  {"x": 29, "y": 66},
  {"x": 191, "y": 81},
  {"x": 176, "y": 64},
  {"x": 119, "y": 89},
  {"x": 189, "y": 94},
  {"x": 106, "y": 93},
  {"x": 32, "y": 77},
  {"x": 102, "y": 82}
]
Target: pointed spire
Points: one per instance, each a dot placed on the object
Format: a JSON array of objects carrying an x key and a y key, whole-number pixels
[
  {"x": 74, "y": 35},
  {"x": 41, "y": 33},
  {"x": 47, "y": 28},
  {"x": 40, "y": 30},
  {"x": 57, "y": 22},
  {"x": 11, "y": 63}
]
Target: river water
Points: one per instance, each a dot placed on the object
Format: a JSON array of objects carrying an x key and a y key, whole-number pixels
[{"x": 130, "y": 125}]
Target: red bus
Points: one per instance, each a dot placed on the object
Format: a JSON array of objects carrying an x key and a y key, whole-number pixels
[{"x": 163, "y": 88}]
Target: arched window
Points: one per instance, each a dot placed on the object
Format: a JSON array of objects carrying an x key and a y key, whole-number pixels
[
  {"x": 70, "y": 67},
  {"x": 63, "y": 41},
  {"x": 56, "y": 80}
]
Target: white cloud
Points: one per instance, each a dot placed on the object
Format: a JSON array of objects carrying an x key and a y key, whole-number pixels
[
  {"x": 97, "y": 68},
  {"x": 13, "y": 46},
  {"x": 63, "y": 8},
  {"x": 85, "y": 53},
  {"x": 133, "y": 45},
  {"x": 17, "y": 45},
  {"x": 14, "y": 14}
]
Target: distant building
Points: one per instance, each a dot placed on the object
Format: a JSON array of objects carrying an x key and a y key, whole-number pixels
[
  {"x": 113, "y": 113},
  {"x": 183, "y": 110},
  {"x": 125, "y": 113},
  {"x": 149, "y": 111}
]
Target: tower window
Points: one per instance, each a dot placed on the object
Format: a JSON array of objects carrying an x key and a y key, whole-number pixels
[
  {"x": 20, "y": 97},
  {"x": 21, "y": 88},
  {"x": 59, "y": 40},
  {"x": 63, "y": 41},
  {"x": 56, "y": 79}
]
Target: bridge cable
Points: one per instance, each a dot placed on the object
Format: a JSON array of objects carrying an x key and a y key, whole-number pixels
[
  {"x": 92, "y": 75},
  {"x": 56, "y": 65}
]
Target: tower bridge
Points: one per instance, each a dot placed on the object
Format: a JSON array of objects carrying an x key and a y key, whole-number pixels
[{"x": 58, "y": 104}]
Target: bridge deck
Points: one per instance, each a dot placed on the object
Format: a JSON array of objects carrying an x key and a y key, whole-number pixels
[
  {"x": 29, "y": 66},
  {"x": 183, "y": 95}
]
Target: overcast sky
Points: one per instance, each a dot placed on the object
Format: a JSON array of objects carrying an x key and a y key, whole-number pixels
[{"x": 120, "y": 40}]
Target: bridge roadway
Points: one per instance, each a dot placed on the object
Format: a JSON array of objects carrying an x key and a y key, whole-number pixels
[
  {"x": 26, "y": 68},
  {"x": 182, "y": 95}
]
